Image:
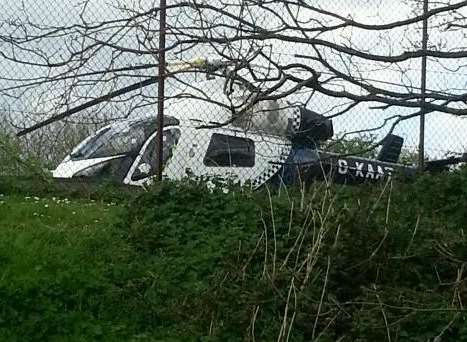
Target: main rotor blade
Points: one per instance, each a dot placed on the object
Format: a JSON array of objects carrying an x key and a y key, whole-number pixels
[{"x": 94, "y": 102}]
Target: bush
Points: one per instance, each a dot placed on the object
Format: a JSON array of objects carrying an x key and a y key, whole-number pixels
[
  {"x": 16, "y": 162},
  {"x": 358, "y": 264}
]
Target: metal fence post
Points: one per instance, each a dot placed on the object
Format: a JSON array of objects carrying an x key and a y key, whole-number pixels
[
  {"x": 421, "y": 145},
  {"x": 160, "y": 92}
]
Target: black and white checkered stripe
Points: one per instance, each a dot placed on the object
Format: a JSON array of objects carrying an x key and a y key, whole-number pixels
[
  {"x": 285, "y": 151},
  {"x": 273, "y": 168},
  {"x": 296, "y": 120}
]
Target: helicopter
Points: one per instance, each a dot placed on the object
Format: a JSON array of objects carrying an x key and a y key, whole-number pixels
[{"x": 274, "y": 143}]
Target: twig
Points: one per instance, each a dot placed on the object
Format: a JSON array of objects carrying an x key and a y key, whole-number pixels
[
  {"x": 253, "y": 323},
  {"x": 413, "y": 235},
  {"x": 273, "y": 232},
  {"x": 388, "y": 331},
  {"x": 321, "y": 299},
  {"x": 286, "y": 310}
]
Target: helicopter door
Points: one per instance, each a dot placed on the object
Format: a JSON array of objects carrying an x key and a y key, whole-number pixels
[
  {"x": 188, "y": 156},
  {"x": 230, "y": 157},
  {"x": 240, "y": 157},
  {"x": 145, "y": 165}
]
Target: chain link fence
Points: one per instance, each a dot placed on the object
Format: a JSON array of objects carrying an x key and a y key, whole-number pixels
[{"x": 242, "y": 78}]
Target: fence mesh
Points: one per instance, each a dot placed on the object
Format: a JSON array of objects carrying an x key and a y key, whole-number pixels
[{"x": 240, "y": 74}]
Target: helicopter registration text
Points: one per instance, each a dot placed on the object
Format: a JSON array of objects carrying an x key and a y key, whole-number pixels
[{"x": 363, "y": 169}]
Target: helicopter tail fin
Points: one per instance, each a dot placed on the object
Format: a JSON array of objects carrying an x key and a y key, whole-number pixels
[{"x": 391, "y": 149}]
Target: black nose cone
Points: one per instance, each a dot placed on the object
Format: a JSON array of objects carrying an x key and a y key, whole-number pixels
[{"x": 314, "y": 128}]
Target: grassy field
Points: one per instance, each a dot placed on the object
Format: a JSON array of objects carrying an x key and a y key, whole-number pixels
[
  {"x": 19, "y": 211},
  {"x": 59, "y": 269}
]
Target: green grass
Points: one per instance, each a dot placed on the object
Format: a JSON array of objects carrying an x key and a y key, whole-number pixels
[
  {"x": 63, "y": 271},
  {"x": 26, "y": 211},
  {"x": 48, "y": 233}
]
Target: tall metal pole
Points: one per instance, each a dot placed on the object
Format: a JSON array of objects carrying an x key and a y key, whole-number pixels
[
  {"x": 421, "y": 146},
  {"x": 160, "y": 92}
]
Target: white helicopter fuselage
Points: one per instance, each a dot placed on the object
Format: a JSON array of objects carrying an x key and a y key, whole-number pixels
[{"x": 245, "y": 152}]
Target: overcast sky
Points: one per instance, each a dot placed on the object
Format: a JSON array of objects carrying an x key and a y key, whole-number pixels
[{"x": 444, "y": 132}]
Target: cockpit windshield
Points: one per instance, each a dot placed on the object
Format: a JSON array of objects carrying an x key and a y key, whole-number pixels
[{"x": 123, "y": 138}]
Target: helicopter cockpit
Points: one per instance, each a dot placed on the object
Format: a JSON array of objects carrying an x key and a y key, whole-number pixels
[
  {"x": 121, "y": 139},
  {"x": 112, "y": 150}
]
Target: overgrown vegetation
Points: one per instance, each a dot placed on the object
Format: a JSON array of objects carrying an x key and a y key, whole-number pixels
[
  {"x": 355, "y": 264},
  {"x": 46, "y": 147},
  {"x": 363, "y": 145},
  {"x": 15, "y": 161},
  {"x": 182, "y": 263}
]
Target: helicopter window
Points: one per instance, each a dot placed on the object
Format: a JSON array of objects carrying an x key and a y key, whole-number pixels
[
  {"x": 230, "y": 151},
  {"x": 123, "y": 138},
  {"x": 148, "y": 162}
]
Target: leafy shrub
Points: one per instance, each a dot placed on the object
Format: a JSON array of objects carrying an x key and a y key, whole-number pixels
[
  {"x": 358, "y": 264},
  {"x": 16, "y": 165},
  {"x": 16, "y": 162},
  {"x": 363, "y": 145}
]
